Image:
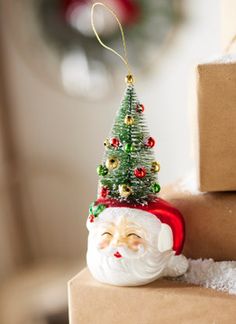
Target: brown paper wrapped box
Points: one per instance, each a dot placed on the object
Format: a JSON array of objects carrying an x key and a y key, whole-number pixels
[
  {"x": 210, "y": 220},
  {"x": 217, "y": 125},
  {"x": 161, "y": 302}
]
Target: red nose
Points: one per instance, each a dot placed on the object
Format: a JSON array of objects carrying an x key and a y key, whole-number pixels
[{"x": 117, "y": 254}]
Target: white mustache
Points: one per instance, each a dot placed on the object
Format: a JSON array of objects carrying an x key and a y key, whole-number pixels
[{"x": 123, "y": 250}]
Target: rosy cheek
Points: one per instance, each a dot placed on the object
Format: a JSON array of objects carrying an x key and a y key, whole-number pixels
[
  {"x": 103, "y": 244},
  {"x": 135, "y": 245}
]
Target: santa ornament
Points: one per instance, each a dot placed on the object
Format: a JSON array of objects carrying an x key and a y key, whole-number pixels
[{"x": 135, "y": 237}]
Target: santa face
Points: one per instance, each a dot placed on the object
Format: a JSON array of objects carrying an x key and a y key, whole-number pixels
[{"x": 128, "y": 246}]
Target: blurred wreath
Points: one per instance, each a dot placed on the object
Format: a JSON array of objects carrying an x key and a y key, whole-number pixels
[{"x": 61, "y": 32}]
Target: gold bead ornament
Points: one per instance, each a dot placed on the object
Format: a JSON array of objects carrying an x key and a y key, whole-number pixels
[
  {"x": 129, "y": 120},
  {"x": 129, "y": 79},
  {"x": 125, "y": 190},
  {"x": 155, "y": 167},
  {"x": 112, "y": 163},
  {"x": 106, "y": 143}
]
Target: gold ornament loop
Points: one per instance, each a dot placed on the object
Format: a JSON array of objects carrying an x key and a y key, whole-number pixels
[{"x": 124, "y": 58}]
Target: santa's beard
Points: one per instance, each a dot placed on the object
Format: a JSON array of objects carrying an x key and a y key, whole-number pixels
[{"x": 131, "y": 269}]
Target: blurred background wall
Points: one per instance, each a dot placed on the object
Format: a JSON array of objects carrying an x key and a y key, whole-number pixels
[
  {"x": 8, "y": 237},
  {"x": 58, "y": 138}
]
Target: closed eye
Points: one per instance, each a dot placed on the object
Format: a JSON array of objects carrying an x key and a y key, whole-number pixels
[
  {"x": 106, "y": 233},
  {"x": 133, "y": 234}
]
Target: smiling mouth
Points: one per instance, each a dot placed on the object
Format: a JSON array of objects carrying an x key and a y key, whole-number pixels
[{"x": 117, "y": 254}]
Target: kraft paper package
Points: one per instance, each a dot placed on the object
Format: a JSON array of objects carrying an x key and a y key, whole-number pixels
[
  {"x": 209, "y": 219},
  {"x": 162, "y": 301},
  {"x": 216, "y": 100}
]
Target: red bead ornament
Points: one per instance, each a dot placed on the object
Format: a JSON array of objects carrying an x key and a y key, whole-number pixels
[
  {"x": 140, "y": 172},
  {"x": 140, "y": 108},
  {"x": 91, "y": 218},
  {"x": 150, "y": 142},
  {"x": 115, "y": 142},
  {"x": 104, "y": 192}
]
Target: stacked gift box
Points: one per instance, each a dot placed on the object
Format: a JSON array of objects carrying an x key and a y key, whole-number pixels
[{"x": 210, "y": 213}]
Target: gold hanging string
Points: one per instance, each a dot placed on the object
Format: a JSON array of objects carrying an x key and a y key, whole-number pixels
[
  {"x": 232, "y": 41},
  {"x": 124, "y": 59}
]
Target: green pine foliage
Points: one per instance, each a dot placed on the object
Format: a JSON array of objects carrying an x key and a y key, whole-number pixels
[{"x": 120, "y": 163}]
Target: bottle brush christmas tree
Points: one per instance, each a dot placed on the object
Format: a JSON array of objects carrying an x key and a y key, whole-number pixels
[
  {"x": 129, "y": 170},
  {"x": 135, "y": 237}
]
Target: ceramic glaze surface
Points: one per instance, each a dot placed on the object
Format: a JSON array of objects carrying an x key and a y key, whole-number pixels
[{"x": 130, "y": 247}]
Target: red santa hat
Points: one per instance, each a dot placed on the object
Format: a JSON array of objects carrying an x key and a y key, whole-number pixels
[{"x": 163, "y": 210}]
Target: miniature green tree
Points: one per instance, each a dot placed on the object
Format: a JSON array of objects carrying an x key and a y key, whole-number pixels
[{"x": 129, "y": 170}]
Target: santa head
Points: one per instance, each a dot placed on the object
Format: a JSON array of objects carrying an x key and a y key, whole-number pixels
[{"x": 133, "y": 246}]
